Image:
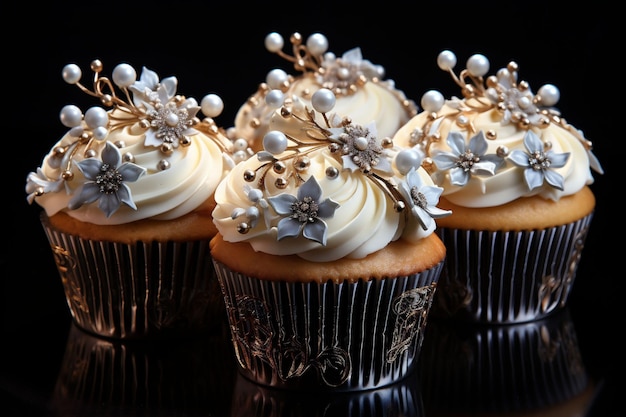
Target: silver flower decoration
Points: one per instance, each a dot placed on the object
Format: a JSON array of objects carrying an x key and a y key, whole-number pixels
[
  {"x": 304, "y": 213},
  {"x": 539, "y": 164},
  {"x": 149, "y": 88},
  {"x": 170, "y": 118},
  {"x": 341, "y": 73},
  {"x": 422, "y": 199},
  {"x": 466, "y": 160},
  {"x": 106, "y": 181},
  {"x": 360, "y": 148}
]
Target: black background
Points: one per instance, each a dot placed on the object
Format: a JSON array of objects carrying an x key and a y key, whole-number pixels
[{"x": 218, "y": 48}]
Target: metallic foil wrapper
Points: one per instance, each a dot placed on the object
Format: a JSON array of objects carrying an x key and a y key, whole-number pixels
[
  {"x": 504, "y": 369},
  {"x": 114, "y": 377},
  {"x": 402, "y": 398},
  {"x": 336, "y": 336},
  {"x": 137, "y": 291},
  {"x": 508, "y": 277}
]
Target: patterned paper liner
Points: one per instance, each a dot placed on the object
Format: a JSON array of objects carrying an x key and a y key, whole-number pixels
[
  {"x": 502, "y": 368},
  {"x": 136, "y": 291},
  {"x": 101, "y": 376},
  {"x": 345, "y": 336},
  {"x": 402, "y": 398},
  {"x": 508, "y": 277}
]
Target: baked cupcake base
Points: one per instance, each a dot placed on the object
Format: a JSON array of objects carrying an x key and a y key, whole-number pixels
[
  {"x": 340, "y": 335},
  {"x": 137, "y": 290}
]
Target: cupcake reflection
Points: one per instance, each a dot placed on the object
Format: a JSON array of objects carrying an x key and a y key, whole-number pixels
[
  {"x": 112, "y": 377},
  {"x": 402, "y": 398},
  {"x": 530, "y": 367}
]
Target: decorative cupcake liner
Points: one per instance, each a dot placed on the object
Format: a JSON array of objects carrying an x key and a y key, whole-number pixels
[
  {"x": 338, "y": 336},
  {"x": 508, "y": 277},
  {"x": 142, "y": 290},
  {"x": 501, "y": 368},
  {"x": 402, "y": 398},
  {"x": 101, "y": 376}
]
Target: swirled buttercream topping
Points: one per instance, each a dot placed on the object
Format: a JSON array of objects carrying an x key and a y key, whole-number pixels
[
  {"x": 148, "y": 156},
  {"x": 500, "y": 141},
  {"x": 360, "y": 88},
  {"x": 325, "y": 188}
]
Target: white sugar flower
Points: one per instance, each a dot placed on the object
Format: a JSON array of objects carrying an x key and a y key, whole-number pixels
[
  {"x": 539, "y": 164},
  {"x": 422, "y": 199},
  {"x": 361, "y": 149}
]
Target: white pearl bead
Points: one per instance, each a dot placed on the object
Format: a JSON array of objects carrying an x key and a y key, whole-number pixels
[
  {"x": 274, "y": 99},
  {"x": 432, "y": 101},
  {"x": 330, "y": 56},
  {"x": 343, "y": 73},
  {"x": 407, "y": 159},
  {"x": 72, "y": 73},
  {"x": 124, "y": 75},
  {"x": 274, "y": 42},
  {"x": 323, "y": 100},
  {"x": 549, "y": 94},
  {"x": 96, "y": 117},
  {"x": 478, "y": 65},
  {"x": 240, "y": 144},
  {"x": 71, "y": 116},
  {"x": 275, "y": 142},
  {"x": 76, "y": 131},
  {"x": 239, "y": 156},
  {"x": 524, "y": 102},
  {"x": 446, "y": 60},
  {"x": 212, "y": 105},
  {"x": 361, "y": 143},
  {"x": 172, "y": 119},
  {"x": 100, "y": 132},
  {"x": 276, "y": 78},
  {"x": 317, "y": 44}
]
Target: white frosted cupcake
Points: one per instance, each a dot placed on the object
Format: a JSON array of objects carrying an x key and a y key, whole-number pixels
[
  {"x": 127, "y": 195},
  {"x": 326, "y": 253},
  {"x": 359, "y": 85},
  {"x": 516, "y": 176}
]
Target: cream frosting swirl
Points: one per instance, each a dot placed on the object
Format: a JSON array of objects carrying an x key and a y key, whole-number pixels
[
  {"x": 498, "y": 166},
  {"x": 362, "y": 92},
  {"x": 146, "y": 158},
  {"x": 365, "y": 216}
]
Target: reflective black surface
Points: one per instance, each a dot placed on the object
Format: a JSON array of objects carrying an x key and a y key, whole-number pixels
[{"x": 49, "y": 368}]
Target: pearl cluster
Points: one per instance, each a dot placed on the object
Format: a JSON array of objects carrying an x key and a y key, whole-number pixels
[{"x": 514, "y": 100}]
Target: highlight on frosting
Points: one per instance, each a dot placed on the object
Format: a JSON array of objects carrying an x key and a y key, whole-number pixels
[
  {"x": 145, "y": 154},
  {"x": 500, "y": 141},
  {"x": 325, "y": 187},
  {"x": 359, "y": 85}
]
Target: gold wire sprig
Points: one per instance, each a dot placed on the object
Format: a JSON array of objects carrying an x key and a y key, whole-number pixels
[{"x": 305, "y": 57}]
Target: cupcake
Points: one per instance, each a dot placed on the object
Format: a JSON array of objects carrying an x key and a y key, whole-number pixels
[
  {"x": 326, "y": 253},
  {"x": 127, "y": 195},
  {"x": 516, "y": 177},
  {"x": 360, "y": 88}
]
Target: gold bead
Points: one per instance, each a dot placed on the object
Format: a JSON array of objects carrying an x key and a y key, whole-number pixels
[
  {"x": 279, "y": 167},
  {"x": 167, "y": 148},
  {"x": 185, "y": 141},
  {"x": 249, "y": 175},
  {"x": 281, "y": 183},
  {"x": 67, "y": 175},
  {"x": 163, "y": 164},
  {"x": 302, "y": 163}
]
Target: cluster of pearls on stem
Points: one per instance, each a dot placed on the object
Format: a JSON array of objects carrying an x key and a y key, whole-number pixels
[
  {"x": 171, "y": 119},
  {"x": 513, "y": 99},
  {"x": 287, "y": 156}
]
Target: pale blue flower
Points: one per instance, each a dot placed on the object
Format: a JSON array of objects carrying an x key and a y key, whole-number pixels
[
  {"x": 304, "y": 213},
  {"x": 422, "y": 199},
  {"x": 106, "y": 181},
  {"x": 466, "y": 160},
  {"x": 539, "y": 164}
]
